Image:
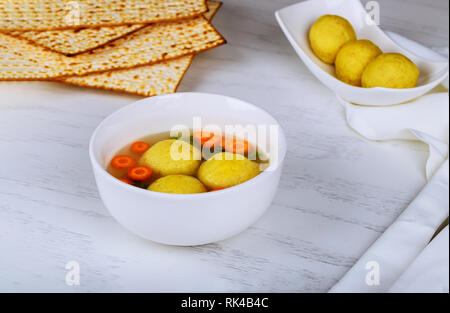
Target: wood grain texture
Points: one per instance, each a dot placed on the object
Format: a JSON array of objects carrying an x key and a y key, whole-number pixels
[
  {"x": 424, "y": 20},
  {"x": 338, "y": 192}
]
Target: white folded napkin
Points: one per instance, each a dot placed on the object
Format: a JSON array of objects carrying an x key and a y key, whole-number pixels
[
  {"x": 430, "y": 271},
  {"x": 400, "y": 248},
  {"x": 425, "y": 119},
  {"x": 386, "y": 260}
]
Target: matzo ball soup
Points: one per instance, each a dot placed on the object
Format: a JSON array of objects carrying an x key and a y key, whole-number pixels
[{"x": 209, "y": 162}]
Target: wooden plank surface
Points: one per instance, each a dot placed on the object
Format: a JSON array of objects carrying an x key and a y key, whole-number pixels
[{"x": 338, "y": 192}]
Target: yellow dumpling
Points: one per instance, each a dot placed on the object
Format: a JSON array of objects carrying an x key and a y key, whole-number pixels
[
  {"x": 328, "y": 34},
  {"x": 180, "y": 184},
  {"x": 353, "y": 58},
  {"x": 171, "y": 157},
  {"x": 226, "y": 169},
  {"x": 390, "y": 70}
]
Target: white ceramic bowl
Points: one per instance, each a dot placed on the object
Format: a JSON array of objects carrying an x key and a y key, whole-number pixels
[
  {"x": 183, "y": 219},
  {"x": 296, "y": 20}
]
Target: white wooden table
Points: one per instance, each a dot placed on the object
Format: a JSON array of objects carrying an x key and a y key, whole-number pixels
[{"x": 338, "y": 192}]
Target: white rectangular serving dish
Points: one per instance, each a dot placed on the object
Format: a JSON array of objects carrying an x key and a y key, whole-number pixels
[{"x": 296, "y": 20}]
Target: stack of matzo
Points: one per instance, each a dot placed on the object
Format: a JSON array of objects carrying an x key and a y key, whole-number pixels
[{"x": 136, "y": 46}]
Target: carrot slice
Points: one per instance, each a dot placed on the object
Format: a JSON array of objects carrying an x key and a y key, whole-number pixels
[
  {"x": 214, "y": 141},
  {"x": 140, "y": 173},
  {"x": 217, "y": 189},
  {"x": 236, "y": 146},
  {"x": 122, "y": 162},
  {"x": 126, "y": 181},
  {"x": 202, "y": 136},
  {"x": 139, "y": 147}
]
